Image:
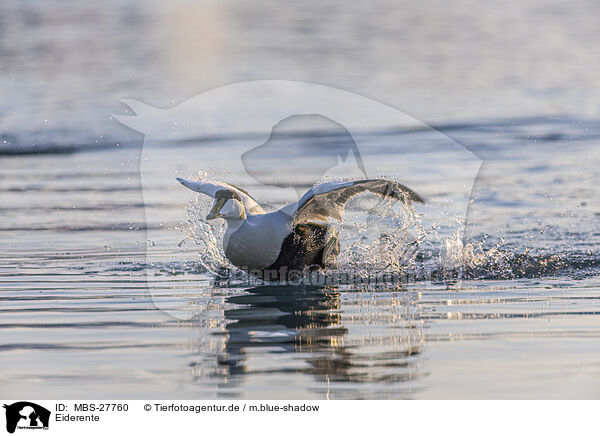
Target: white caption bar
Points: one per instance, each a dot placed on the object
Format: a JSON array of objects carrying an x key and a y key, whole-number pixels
[{"x": 166, "y": 417}]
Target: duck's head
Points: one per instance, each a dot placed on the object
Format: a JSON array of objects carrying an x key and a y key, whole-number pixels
[{"x": 227, "y": 205}]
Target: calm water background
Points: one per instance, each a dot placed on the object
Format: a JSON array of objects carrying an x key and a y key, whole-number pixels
[{"x": 516, "y": 84}]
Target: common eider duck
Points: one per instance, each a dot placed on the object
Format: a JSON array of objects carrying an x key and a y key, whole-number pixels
[{"x": 279, "y": 245}]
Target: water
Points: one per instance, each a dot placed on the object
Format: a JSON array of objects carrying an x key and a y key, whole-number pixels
[{"x": 514, "y": 314}]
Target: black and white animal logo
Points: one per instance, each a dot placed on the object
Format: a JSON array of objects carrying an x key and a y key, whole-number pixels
[{"x": 26, "y": 415}]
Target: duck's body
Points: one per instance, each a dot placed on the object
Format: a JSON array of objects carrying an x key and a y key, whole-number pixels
[
  {"x": 285, "y": 249},
  {"x": 257, "y": 242},
  {"x": 278, "y": 244}
]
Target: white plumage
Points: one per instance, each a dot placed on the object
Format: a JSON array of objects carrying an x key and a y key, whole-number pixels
[{"x": 294, "y": 237}]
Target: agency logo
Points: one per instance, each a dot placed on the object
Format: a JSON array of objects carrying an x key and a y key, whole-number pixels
[
  {"x": 26, "y": 415},
  {"x": 275, "y": 140}
]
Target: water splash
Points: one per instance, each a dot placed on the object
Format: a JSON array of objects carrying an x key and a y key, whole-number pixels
[
  {"x": 386, "y": 240},
  {"x": 377, "y": 235},
  {"x": 207, "y": 235},
  {"x": 452, "y": 255},
  {"x": 381, "y": 235}
]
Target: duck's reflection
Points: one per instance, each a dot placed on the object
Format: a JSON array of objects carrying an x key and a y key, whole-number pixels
[
  {"x": 296, "y": 319},
  {"x": 268, "y": 321}
]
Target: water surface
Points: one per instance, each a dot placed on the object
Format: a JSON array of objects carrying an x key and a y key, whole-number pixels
[
  {"x": 83, "y": 316},
  {"x": 78, "y": 319}
]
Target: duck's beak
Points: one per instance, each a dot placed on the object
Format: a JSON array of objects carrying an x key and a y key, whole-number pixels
[
  {"x": 215, "y": 212},
  {"x": 212, "y": 216}
]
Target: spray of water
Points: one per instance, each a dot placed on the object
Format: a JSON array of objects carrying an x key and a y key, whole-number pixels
[
  {"x": 207, "y": 235},
  {"x": 378, "y": 235},
  {"x": 387, "y": 237}
]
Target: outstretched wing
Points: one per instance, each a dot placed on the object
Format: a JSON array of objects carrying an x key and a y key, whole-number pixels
[
  {"x": 211, "y": 189},
  {"x": 328, "y": 200}
]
